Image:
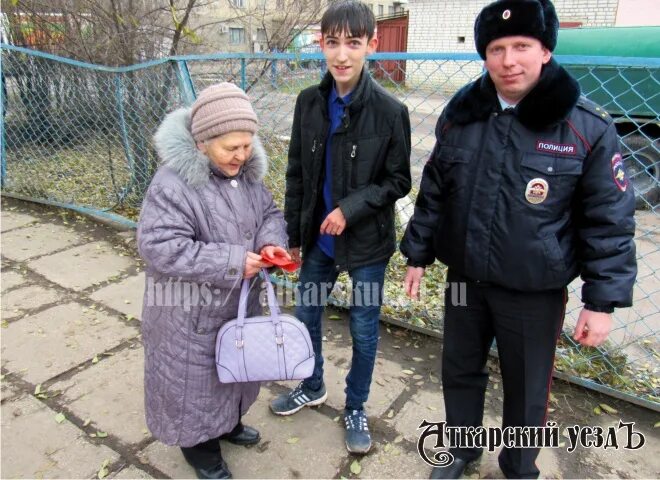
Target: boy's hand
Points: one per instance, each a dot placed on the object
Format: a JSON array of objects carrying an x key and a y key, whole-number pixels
[
  {"x": 334, "y": 223},
  {"x": 412, "y": 281},
  {"x": 253, "y": 265}
]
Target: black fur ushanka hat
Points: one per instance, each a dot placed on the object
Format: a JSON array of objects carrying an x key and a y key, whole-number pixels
[{"x": 504, "y": 18}]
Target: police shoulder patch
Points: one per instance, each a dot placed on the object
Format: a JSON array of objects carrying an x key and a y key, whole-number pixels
[
  {"x": 619, "y": 173},
  {"x": 593, "y": 108}
]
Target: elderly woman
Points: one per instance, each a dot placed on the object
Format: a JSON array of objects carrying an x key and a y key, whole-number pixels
[{"x": 205, "y": 219}]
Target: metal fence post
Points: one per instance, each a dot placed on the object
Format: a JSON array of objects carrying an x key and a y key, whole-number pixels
[
  {"x": 243, "y": 73},
  {"x": 3, "y": 99},
  {"x": 185, "y": 82}
]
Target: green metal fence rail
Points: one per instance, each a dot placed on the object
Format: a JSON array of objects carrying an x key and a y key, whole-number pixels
[{"x": 79, "y": 136}]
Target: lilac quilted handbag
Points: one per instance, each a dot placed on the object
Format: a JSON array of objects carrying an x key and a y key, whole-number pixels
[{"x": 269, "y": 347}]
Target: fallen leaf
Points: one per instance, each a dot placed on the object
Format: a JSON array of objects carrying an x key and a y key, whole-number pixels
[
  {"x": 407, "y": 372},
  {"x": 37, "y": 389},
  {"x": 103, "y": 471},
  {"x": 95, "y": 359},
  {"x": 390, "y": 414},
  {"x": 87, "y": 422},
  {"x": 434, "y": 379},
  {"x": 101, "y": 434},
  {"x": 59, "y": 418},
  {"x": 598, "y": 410},
  {"x": 657, "y": 424},
  {"x": 608, "y": 409},
  {"x": 398, "y": 439},
  {"x": 387, "y": 448},
  {"x": 334, "y": 317},
  {"x": 129, "y": 318},
  {"x": 417, "y": 359},
  {"x": 292, "y": 440},
  {"x": 356, "y": 468}
]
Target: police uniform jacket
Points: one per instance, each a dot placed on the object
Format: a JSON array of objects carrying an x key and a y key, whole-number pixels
[
  {"x": 370, "y": 170},
  {"x": 531, "y": 198}
]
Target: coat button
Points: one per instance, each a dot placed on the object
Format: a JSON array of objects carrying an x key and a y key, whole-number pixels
[
  {"x": 248, "y": 235},
  {"x": 550, "y": 169},
  {"x": 232, "y": 271}
]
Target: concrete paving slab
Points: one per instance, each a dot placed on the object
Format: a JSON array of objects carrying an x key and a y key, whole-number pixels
[
  {"x": 9, "y": 220},
  {"x": 55, "y": 340},
  {"x": 111, "y": 393},
  {"x": 36, "y": 240},
  {"x": 168, "y": 460},
  {"x": 33, "y": 296},
  {"x": 9, "y": 279},
  {"x": 7, "y": 391},
  {"x": 391, "y": 461},
  {"x": 34, "y": 445},
  {"x": 125, "y": 296},
  {"x": 130, "y": 473},
  {"x": 83, "y": 266},
  {"x": 385, "y": 387},
  {"x": 276, "y": 457},
  {"x": 427, "y": 404}
]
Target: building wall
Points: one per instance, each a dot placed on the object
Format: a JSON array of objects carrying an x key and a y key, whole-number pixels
[
  {"x": 447, "y": 26},
  {"x": 638, "y": 13}
]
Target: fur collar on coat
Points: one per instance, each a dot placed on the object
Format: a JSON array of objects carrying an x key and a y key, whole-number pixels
[
  {"x": 177, "y": 150},
  {"x": 549, "y": 102}
]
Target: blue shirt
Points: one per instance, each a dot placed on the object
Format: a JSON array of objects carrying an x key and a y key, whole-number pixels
[{"x": 336, "y": 105}]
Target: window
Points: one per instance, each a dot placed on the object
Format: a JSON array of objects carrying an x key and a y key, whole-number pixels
[
  {"x": 381, "y": 10},
  {"x": 261, "y": 35},
  {"x": 460, "y": 39},
  {"x": 236, "y": 36},
  {"x": 238, "y": 3},
  {"x": 390, "y": 10}
]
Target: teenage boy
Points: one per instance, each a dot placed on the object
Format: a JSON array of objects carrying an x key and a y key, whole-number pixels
[{"x": 349, "y": 162}]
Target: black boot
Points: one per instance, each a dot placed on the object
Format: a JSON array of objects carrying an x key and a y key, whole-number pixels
[
  {"x": 206, "y": 459},
  {"x": 242, "y": 435},
  {"x": 453, "y": 470}
]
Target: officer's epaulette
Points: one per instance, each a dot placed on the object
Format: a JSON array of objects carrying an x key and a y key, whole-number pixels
[{"x": 585, "y": 104}]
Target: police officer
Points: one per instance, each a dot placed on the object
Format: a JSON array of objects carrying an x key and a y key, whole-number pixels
[{"x": 524, "y": 191}]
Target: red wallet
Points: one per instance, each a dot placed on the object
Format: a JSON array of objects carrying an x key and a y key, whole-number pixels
[{"x": 281, "y": 261}]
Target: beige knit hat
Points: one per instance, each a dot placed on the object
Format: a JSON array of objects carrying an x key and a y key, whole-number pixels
[{"x": 221, "y": 109}]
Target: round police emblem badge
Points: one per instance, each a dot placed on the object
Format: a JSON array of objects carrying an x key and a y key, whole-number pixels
[
  {"x": 536, "y": 191},
  {"x": 506, "y": 14},
  {"x": 618, "y": 172}
]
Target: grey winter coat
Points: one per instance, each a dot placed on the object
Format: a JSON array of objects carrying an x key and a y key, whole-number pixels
[{"x": 195, "y": 228}]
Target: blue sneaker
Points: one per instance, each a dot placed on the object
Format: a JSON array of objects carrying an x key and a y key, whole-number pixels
[
  {"x": 358, "y": 438},
  {"x": 296, "y": 399}
]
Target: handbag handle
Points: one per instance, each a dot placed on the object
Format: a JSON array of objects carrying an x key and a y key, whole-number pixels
[{"x": 272, "y": 304}]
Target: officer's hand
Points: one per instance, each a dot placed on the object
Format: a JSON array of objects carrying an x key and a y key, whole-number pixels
[
  {"x": 334, "y": 223},
  {"x": 592, "y": 328},
  {"x": 413, "y": 279}
]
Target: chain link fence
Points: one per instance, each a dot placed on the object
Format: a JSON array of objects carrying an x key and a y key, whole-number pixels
[{"x": 80, "y": 136}]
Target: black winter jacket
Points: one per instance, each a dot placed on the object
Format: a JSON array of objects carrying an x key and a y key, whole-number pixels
[
  {"x": 528, "y": 199},
  {"x": 370, "y": 170}
]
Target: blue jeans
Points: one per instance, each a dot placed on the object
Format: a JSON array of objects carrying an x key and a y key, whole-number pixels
[{"x": 317, "y": 277}]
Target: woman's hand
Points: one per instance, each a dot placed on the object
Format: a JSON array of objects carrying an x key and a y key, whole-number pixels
[
  {"x": 272, "y": 251},
  {"x": 253, "y": 265}
]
